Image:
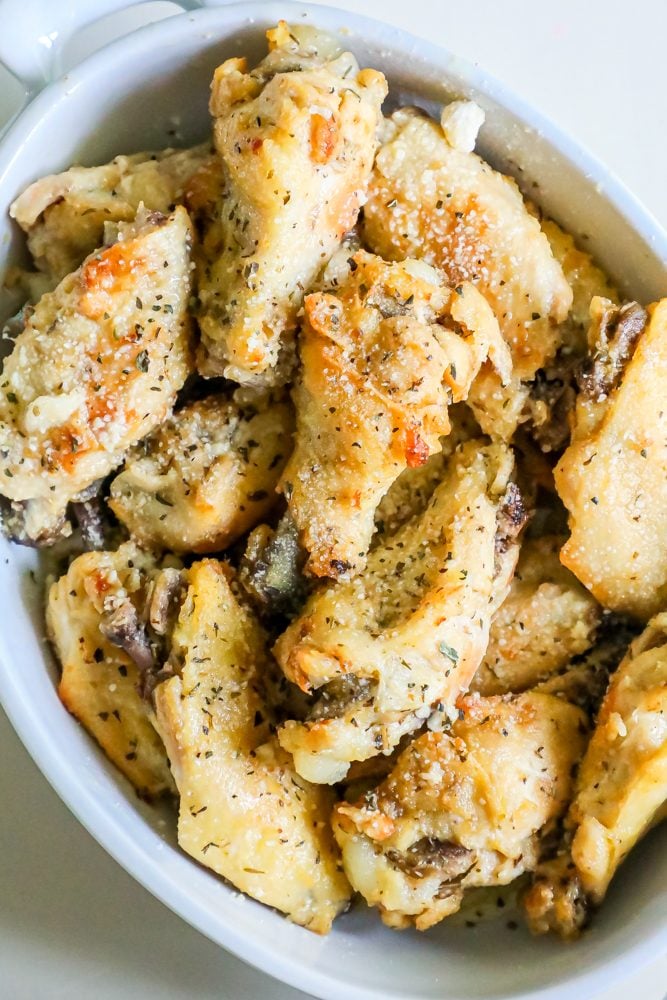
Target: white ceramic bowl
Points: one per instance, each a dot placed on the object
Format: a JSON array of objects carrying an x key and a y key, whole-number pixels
[{"x": 131, "y": 96}]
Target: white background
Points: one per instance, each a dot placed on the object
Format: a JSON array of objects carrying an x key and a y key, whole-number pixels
[{"x": 72, "y": 923}]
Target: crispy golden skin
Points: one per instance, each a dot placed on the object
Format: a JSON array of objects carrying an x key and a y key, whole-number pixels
[
  {"x": 64, "y": 215},
  {"x": 205, "y": 476},
  {"x": 613, "y": 476},
  {"x": 382, "y": 356},
  {"x": 448, "y": 207},
  {"x": 99, "y": 680},
  {"x": 244, "y": 812},
  {"x": 296, "y": 137},
  {"x": 96, "y": 368},
  {"x": 460, "y": 809},
  {"x": 547, "y": 619},
  {"x": 621, "y": 790},
  {"x": 410, "y": 631}
]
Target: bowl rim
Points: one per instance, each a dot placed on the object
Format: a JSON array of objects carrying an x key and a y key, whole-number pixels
[{"x": 41, "y": 743}]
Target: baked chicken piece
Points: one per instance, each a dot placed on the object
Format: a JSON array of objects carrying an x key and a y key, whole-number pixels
[
  {"x": 464, "y": 808},
  {"x": 383, "y": 354},
  {"x": 96, "y": 368},
  {"x": 407, "y": 635},
  {"x": 546, "y": 620},
  {"x": 296, "y": 137},
  {"x": 205, "y": 476},
  {"x": 613, "y": 477},
  {"x": 431, "y": 199},
  {"x": 621, "y": 790},
  {"x": 244, "y": 812},
  {"x": 64, "y": 215},
  {"x": 94, "y": 621}
]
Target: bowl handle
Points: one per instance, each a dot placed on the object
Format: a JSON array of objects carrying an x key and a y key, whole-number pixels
[{"x": 32, "y": 31}]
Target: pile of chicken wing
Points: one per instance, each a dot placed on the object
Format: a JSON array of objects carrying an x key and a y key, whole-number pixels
[{"x": 356, "y": 472}]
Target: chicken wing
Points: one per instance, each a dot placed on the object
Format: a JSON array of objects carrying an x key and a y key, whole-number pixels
[
  {"x": 296, "y": 137},
  {"x": 100, "y": 678},
  {"x": 613, "y": 476},
  {"x": 546, "y": 620},
  {"x": 464, "y": 808},
  {"x": 621, "y": 790},
  {"x": 64, "y": 215},
  {"x": 431, "y": 200},
  {"x": 96, "y": 368},
  {"x": 244, "y": 812},
  {"x": 205, "y": 476},
  {"x": 409, "y": 633},
  {"x": 382, "y": 356}
]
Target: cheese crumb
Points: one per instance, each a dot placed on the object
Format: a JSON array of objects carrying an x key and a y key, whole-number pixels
[{"x": 461, "y": 122}]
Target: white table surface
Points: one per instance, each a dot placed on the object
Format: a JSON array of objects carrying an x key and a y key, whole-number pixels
[{"x": 73, "y": 924}]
